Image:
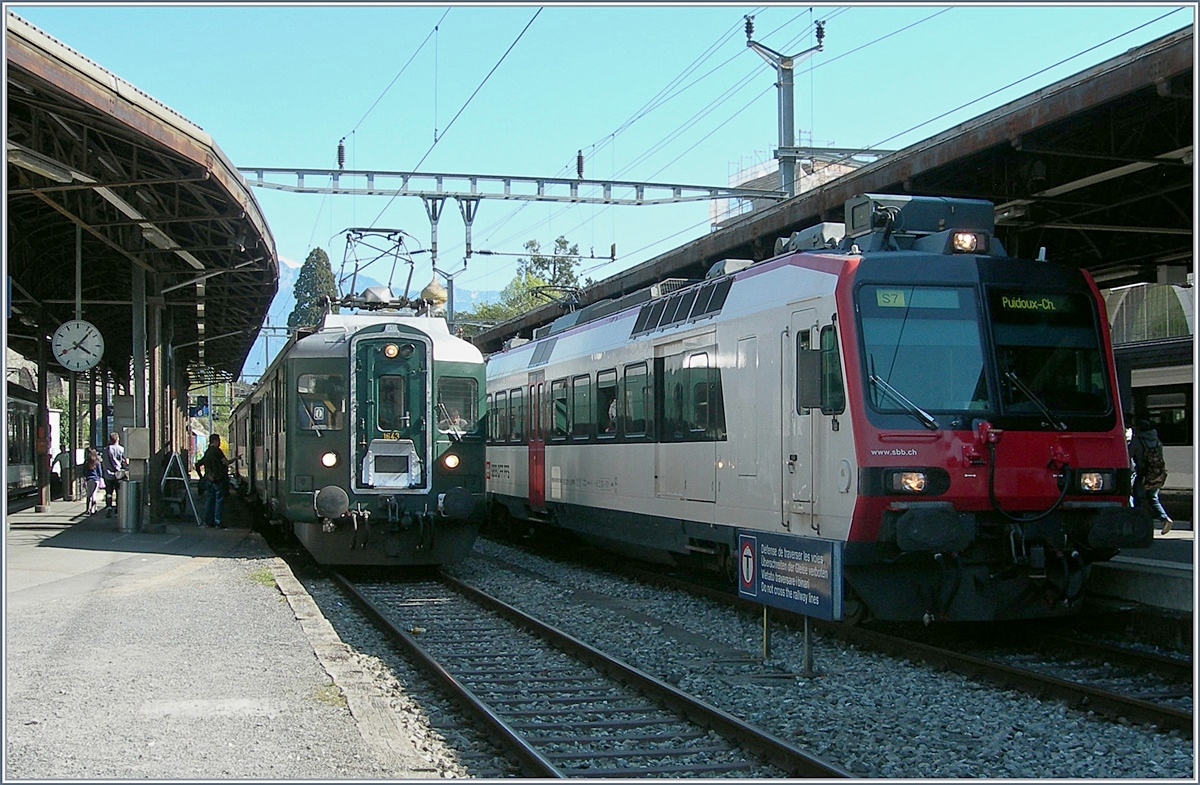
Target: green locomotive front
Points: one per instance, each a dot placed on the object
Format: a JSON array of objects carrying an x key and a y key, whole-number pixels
[{"x": 375, "y": 420}]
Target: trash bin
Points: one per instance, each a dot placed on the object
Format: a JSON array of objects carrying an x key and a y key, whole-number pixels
[{"x": 129, "y": 506}]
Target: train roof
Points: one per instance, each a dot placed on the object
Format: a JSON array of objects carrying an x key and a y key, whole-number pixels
[
  {"x": 660, "y": 313},
  {"x": 337, "y": 327},
  {"x": 876, "y": 225}
]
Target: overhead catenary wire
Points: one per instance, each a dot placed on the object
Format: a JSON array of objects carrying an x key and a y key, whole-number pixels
[
  {"x": 686, "y": 125},
  {"x": 1013, "y": 84},
  {"x": 467, "y": 103}
]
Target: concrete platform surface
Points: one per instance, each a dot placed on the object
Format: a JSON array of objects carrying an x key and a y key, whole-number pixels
[{"x": 189, "y": 653}]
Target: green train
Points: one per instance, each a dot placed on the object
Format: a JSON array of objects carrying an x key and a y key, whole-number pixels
[{"x": 365, "y": 436}]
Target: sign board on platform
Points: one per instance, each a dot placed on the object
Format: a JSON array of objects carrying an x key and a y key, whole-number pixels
[{"x": 798, "y": 574}]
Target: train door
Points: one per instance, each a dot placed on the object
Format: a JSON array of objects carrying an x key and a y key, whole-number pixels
[
  {"x": 537, "y": 442},
  {"x": 801, "y": 340}
]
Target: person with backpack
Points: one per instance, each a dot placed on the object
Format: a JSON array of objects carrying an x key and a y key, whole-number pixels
[
  {"x": 216, "y": 472},
  {"x": 115, "y": 467},
  {"x": 1150, "y": 472}
]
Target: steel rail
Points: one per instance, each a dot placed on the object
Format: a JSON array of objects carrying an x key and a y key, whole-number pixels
[
  {"x": 791, "y": 759},
  {"x": 534, "y": 763}
]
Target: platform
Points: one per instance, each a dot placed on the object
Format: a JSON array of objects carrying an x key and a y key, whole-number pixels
[
  {"x": 170, "y": 654},
  {"x": 1160, "y": 577}
]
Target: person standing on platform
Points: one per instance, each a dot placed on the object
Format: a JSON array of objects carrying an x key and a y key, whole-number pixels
[
  {"x": 216, "y": 472},
  {"x": 115, "y": 465},
  {"x": 92, "y": 476},
  {"x": 59, "y": 478}
]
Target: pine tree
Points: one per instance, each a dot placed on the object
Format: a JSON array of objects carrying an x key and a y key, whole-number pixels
[{"x": 313, "y": 286}]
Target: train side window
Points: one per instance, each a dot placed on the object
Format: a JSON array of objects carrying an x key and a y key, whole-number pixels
[
  {"x": 456, "y": 403},
  {"x": 606, "y": 403},
  {"x": 322, "y": 401},
  {"x": 833, "y": 391},
  {"x": 499, "y": 417},
  {"x": 581, "y": 389},
  {"x": 675, "y": 424},
  {"x": 560, "y": 418},
  {"x": 637, "y": 400},
  {"x": 516, "y": 419},
  {"x": 1168, "y": 407}
]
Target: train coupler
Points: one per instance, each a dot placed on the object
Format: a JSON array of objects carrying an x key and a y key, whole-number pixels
[
  {"x": 361, "y": 534},
  {"x": 1037, "y": 563}
]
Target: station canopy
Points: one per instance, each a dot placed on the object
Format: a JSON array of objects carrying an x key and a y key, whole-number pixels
[{"x": 103, "y": 177}]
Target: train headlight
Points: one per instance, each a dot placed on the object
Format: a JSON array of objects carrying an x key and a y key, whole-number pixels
[
  {"x": 909, "y": 482},
  {"x": 968, "y": 242},
  {"x": 329, "y": 460},
  {"x": 451, "y": 461},
  {"x": 1095, "y": 482},
  {"x": 391, "y": 351}
]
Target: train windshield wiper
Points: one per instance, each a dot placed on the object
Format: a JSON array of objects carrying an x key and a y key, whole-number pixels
[
  {"x": 311, "y": 418},
  {"x": 1055, "y": 422},
  {"x": 923, "y": 416}
]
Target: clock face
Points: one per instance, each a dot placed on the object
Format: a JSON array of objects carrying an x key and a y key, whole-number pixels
[{"x": 77, "y": 345}]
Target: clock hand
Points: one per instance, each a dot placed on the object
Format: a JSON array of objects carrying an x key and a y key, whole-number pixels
[{"x": 79, "y": 343}]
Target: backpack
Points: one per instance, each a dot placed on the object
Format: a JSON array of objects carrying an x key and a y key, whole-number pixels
[{"x": 1153, "y": 470}]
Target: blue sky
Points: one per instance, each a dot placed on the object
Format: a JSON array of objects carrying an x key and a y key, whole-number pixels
[{"x": 665, "y": 94}]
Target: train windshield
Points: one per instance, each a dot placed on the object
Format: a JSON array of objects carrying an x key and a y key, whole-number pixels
[
  {"x": 457, "y": 404},
  {"x": 322, "y": 398},
  {"x": 1048, "y": 354},
  {"x": 923, "y": 350}
]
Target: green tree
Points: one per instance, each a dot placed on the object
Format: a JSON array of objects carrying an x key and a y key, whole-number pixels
[
  {"x": 557, "y": 269},
  {"x": 313, "y": 286},
  {"x": 539, "y": 279}
]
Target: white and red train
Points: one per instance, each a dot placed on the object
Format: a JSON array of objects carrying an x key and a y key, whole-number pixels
[{"x": 896, "y": 383}]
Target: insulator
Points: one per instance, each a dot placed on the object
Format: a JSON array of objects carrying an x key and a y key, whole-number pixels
[
  {"x": 342, "y": 154},
  {"x": 749, "y": 27},
  {"x": 820, "y": 34},
  {"x": 579, "y": 164},
  {"x": 613, "y": 251}
]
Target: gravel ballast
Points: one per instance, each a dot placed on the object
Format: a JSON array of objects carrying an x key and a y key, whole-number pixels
[{"x": 876, "y": 715}]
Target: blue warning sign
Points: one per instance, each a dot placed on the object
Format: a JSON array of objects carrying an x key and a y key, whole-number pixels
[{"x": 798, "y": 574}]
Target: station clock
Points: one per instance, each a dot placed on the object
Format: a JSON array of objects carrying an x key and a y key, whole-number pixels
[{"x": 77, "y": 345}]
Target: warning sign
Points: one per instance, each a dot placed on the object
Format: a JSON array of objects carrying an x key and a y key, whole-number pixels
[
  {"x": 748, "y": 566},
  {"x": 799, "y": 574}
]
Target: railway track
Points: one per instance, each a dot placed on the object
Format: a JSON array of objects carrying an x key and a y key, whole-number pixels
[
  {"x": 1118, "y": 686},
  {"x": 560, "y": 707},
  {"x": 1112, "y": 681}
]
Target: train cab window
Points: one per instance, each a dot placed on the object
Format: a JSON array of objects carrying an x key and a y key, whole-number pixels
[
  {"x": 322, "y": 401},
  {"x": 457, "y": 404},
  {"x": 560, "y": 415},
  {"x": 833, "y": 390},
  {"x": 391, "y": 403},
  {"x": 638, "y": 410},
  {"x": 807, "y": 390},
  {"x": 606, "y": 404},
  {"x": 581, "y": 394},
  {"x": 922, "y": 348},
  {"x": 1051, "y": 344},
  {"x": 516, "y": 418}
]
